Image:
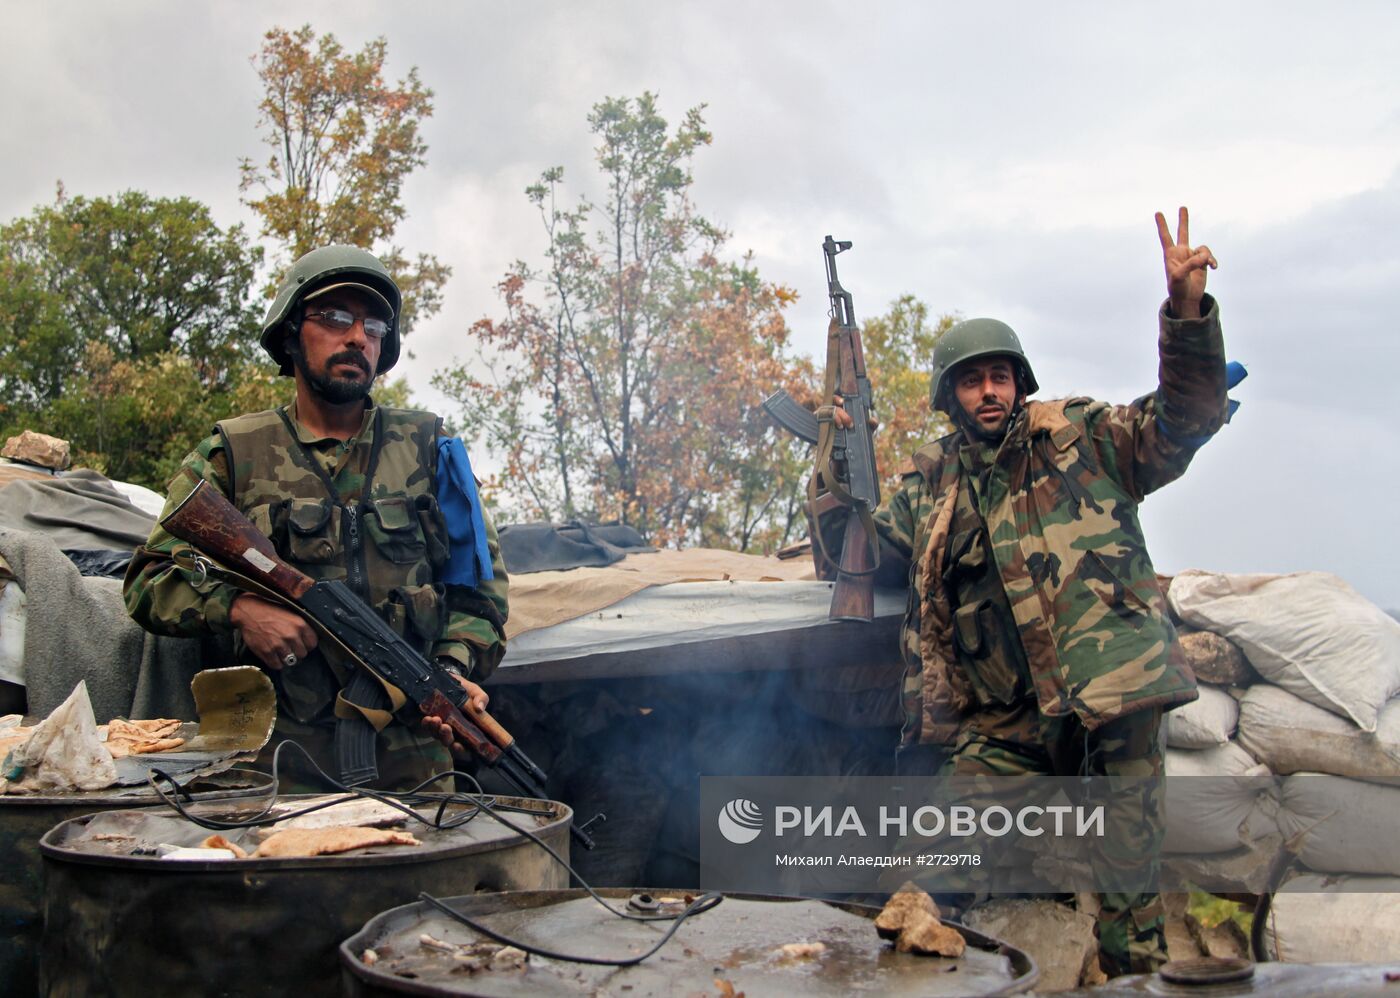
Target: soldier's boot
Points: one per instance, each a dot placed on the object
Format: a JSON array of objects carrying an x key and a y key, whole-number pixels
[{"x": 1132, "y": 939}]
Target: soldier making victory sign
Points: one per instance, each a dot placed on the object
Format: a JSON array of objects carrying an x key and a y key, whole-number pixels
[{"x": 1036, "y": 638}]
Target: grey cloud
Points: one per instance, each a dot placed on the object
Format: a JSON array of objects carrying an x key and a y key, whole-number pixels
[{"x": 995, "y": 159}]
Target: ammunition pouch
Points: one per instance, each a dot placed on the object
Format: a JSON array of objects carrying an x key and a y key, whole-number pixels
[
  {"x": 988, "y": 647},
  {"x": 988, "y": 653}
]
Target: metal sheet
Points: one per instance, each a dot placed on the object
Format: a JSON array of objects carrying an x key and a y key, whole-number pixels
[
  {"x": 118, "y": 924},
  {"x": 736, "y": 942},
  {"x": 704, "y": 627}
]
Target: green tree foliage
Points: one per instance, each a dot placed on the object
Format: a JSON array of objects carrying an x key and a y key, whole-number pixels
[
  {"x": 342, "y": 141},
  {"x": 126, "y": 327},
  {"x": 622, "y": 380},
  {"x": 899, "y": 358},
  {"x": 135, "y": 421},
  {"x": 142, "y": 275}
]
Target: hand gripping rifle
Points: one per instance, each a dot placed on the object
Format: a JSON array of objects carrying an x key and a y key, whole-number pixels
[
  {"x": 845, "y": 459},
  {"x": 392, "y": 672}
]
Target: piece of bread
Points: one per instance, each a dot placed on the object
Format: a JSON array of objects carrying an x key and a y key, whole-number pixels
[{"x": 328, "y": 841}]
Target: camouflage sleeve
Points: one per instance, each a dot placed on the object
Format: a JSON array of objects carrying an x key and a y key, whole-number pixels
[
  {"x": 474, "y": 627},
  {"x": 895, "y": 523},
  {"x": 1149, "y": 443},
  {"x": 159, "y": 595}
]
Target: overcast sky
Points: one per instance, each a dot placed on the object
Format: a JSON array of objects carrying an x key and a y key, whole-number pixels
[{"x": 994, "y": 159}]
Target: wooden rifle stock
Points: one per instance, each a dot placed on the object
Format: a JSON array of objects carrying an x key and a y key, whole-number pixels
[
  {"x": 215, "y": 527},
  {"x": 853, "y": 596}
]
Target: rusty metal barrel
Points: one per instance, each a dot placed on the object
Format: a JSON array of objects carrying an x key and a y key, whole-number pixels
[
  {"x": 757, "y": 945},
  {"x": 118, "y": 923},
  {"x": 24, "y": 819}
]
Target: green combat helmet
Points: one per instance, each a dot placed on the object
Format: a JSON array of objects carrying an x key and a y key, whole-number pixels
[
  {"x": 351, "y": 265},
  {"x": 974, "y": 338}
]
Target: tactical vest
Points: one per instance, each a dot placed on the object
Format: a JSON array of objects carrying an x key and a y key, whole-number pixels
[
  {"x": 985, "y": 639},
  {"x": 376, "y": 526}
]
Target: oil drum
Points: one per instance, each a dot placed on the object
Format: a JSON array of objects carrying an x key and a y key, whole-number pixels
[
  {"x": 750, "y": 944},
  {"x": 119, "y": 920},
  {"x": 24, "y": 818}
]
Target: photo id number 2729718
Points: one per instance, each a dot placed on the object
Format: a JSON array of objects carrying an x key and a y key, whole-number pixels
[{"x": 948, "y": 859}]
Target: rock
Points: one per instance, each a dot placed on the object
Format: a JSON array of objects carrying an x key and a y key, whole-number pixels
[
  {"x": 1224, "y": 940},
  {"x": 1217, "y": 660},
  {"x": 1181, "y": 943},
  {"x": 1059, "y": 939},
  {"x": 1091, "y": 975},
  {"x": 906, "y": 903},
  {"x": 925, "y": 934},
  {"x": 38, "y": 448},
  {"x": 910, "y": 918}
]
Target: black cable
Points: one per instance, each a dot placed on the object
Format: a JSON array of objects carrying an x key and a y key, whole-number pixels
[
  {"x": 477, "y": 803},
  {"x": 397, "y": 800},
  {"x": 701, "y": 904}
]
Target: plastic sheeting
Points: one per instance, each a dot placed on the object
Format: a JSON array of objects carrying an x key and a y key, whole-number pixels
[{"x": 687, "y": 612}]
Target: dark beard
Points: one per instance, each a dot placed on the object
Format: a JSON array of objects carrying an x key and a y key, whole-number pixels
[
  {"x": 973, "y": 429},
  {"x": 336, "y": 391}
]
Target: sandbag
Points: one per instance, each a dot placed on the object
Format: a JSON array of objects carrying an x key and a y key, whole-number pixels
[
  {"x": 1349, "y": 825},
  {"x": 1308, "y": 632},
  {"x": 1217, "y": 800},
  {"x": 1204, "y": 723},
  {"x": 1290, "y": 735},
  {"x": 1319, "y": 919}
]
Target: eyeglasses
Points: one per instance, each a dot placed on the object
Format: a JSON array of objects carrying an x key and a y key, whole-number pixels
[{"x": 338, "y": 318}]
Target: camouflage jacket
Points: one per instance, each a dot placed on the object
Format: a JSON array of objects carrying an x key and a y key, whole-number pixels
[
  {"x": 291, "y": 502},
  {"x": 1059, "y": 501}
]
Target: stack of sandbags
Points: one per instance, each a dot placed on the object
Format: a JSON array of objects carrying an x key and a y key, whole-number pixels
[
  {"x": 1221, "y": 802},
  {"x": 1309, "y": 633},
  {"x": 1324, "y": 717},
  {"x": 1218, "y": 800}
]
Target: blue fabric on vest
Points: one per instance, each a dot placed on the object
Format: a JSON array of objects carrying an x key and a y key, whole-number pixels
[{"x": 469, "y": 560}]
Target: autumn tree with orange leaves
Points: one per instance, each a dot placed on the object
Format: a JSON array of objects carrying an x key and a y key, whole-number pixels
[
  {"x": 623, "y": 380},
  {"x": 899, "y": 358},
  {"x": 342, "y": 141}
]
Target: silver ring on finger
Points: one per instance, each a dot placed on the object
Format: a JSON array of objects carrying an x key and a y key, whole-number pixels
[{"x": 289, "y": 659}]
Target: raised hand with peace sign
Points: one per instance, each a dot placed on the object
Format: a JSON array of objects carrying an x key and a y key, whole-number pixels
[{"x": 1186, "y": 267}]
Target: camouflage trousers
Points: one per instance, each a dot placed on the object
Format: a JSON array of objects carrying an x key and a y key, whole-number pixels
[
  {"x": 405, "y": 758},
  {"x": 1017, "y": 741}
]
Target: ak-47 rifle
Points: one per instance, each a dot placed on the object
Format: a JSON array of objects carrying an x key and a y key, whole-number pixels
[
  {"x": 392, "y": 673},
  {"x": 845, "y": 459}
]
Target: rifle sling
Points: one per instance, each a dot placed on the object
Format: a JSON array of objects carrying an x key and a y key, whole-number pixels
[{"x": 374, "y": 714}]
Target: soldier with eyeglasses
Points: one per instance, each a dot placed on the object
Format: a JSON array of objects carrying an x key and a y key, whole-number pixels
[{"x": 346, "y": 489}]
